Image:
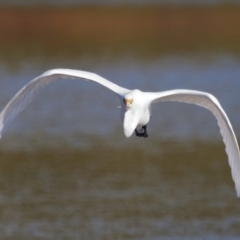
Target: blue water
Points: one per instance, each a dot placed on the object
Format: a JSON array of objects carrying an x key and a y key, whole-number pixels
[{"x": 78, "y": 109}]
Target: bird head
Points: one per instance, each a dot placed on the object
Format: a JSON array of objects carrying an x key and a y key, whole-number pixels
[{"x": 128, "y": 101}]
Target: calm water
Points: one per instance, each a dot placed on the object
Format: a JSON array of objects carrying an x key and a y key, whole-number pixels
[
  {"x": 81, "y": 110},
  {"x": 67, "y": 171}
]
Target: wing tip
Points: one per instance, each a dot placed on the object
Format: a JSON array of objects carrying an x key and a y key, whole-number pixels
[
  {"x": 237, "y": 187},
  {"x": 238, "y": 191}
]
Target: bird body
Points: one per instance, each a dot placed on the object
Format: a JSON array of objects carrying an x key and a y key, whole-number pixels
[
  {"x": 136, "y": 111},
  {"x": 135, "y": 108}
]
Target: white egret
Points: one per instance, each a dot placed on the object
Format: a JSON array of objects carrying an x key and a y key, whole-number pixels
[{"x": 135, "y": 108}]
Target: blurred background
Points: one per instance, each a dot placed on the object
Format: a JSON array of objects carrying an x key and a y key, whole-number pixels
[{"x": 66, "y": 169}]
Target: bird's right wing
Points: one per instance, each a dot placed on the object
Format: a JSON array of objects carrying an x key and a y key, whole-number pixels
[
  {"x": 209, "y": 102},
  {"x": 29, "y": 91}
]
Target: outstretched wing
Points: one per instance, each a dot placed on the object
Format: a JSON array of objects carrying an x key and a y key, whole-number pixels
[
  {"x": 209, "y": 102},
  {"x": 29, "y": 91}
]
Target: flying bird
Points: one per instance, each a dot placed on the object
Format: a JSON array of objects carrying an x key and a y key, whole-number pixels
[{"x": 135, "y": 108}]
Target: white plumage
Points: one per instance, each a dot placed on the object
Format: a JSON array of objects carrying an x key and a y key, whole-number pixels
[{"x": 135, "y": 108}]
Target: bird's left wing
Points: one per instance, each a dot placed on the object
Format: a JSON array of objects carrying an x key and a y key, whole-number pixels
[
  {"x": 209, "y": 102},
  {"x": 29, "y": 91}
]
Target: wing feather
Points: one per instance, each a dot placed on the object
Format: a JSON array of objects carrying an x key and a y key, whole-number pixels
[
  {"x": 209, "y": 102},
  {"x": 29, "y": 91}
]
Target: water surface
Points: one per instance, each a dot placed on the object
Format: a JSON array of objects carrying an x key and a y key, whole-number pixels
[{"x": 68, "y": 172}]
